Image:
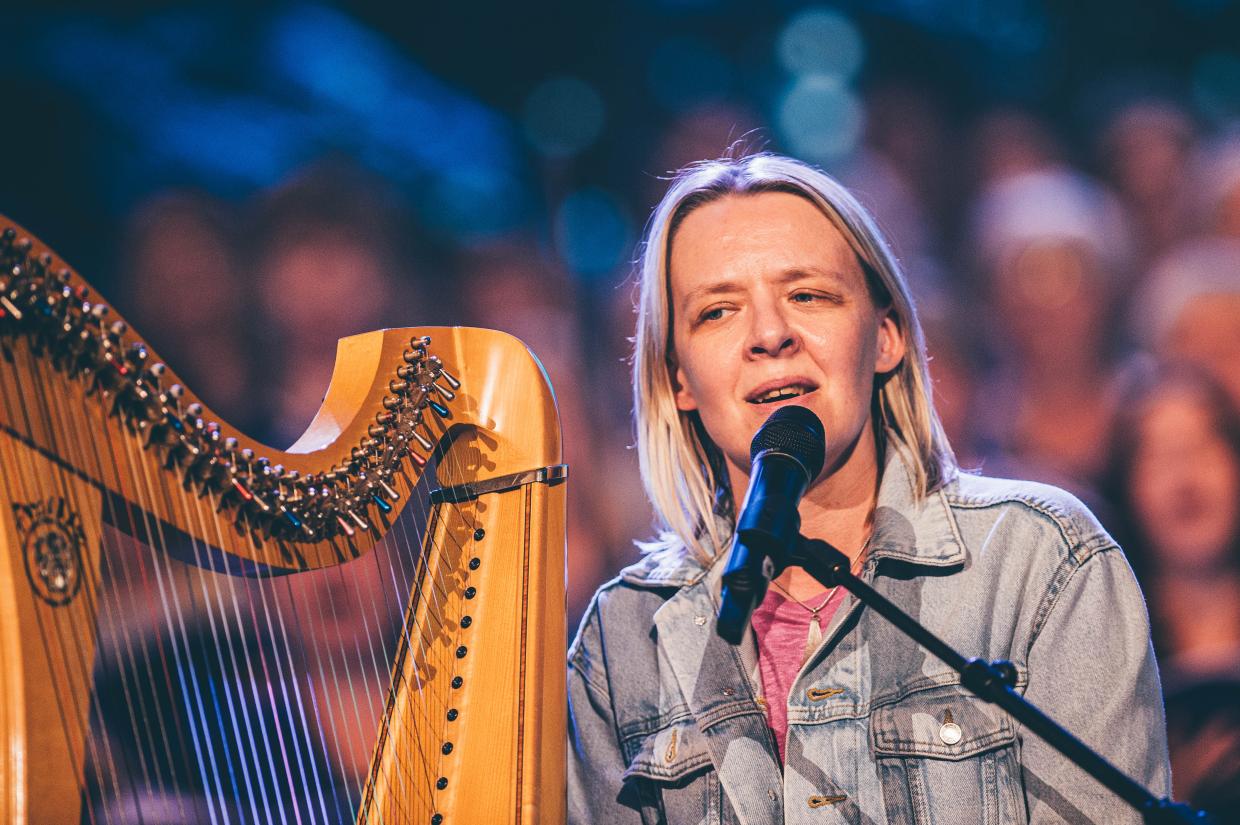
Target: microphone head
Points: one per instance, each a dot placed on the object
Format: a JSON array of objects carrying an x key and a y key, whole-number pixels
[{"x": 796, "y": 432}]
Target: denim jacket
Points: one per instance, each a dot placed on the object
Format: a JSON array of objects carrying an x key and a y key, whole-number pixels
[{"x": 667, "y": 721}]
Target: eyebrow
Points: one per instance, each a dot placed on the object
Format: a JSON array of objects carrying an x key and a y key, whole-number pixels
[{"x": 787, "y": 276}]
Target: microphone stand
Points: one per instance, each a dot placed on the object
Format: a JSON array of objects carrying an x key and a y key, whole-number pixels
[{"x": 992, "y": 681}]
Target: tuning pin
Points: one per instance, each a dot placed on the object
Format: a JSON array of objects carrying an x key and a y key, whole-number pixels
[
  {"x": 447, "y": 394},
  {"x": 388, "y": 488},
  {"x": 243, "y": 490},
  {"x": 10, "y": 308},
  {"x": 417, "y": 459},
  {"x": 439, "y": 409},
  {"x": 345, "y": 526},
  {"x": 423, "y": 441},
  {"x": 358, "y": 520}
]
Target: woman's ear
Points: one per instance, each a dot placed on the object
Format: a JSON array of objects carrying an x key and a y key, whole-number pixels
[
  {"x": 685, "y": 401},
  {"x": 891, "y": 344}
]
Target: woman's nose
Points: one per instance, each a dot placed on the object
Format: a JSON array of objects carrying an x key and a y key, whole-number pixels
[{"x": 770, "y": 333}]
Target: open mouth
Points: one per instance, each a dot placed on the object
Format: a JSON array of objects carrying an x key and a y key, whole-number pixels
[{"x": 776, "y": 394}]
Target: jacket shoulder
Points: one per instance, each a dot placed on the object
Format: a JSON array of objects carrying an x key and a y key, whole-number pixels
[{"x": 1029, "y": 500}]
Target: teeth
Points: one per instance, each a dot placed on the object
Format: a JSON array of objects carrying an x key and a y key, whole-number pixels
[{"x": 782, "y": 392}]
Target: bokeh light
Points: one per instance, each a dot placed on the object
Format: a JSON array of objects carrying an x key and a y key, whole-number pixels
[
  {"x": 593, "y": 232},
  {"x": 820, "y": 118},
  {"x": 563, "y": 116},
  {"x": 821, "y": 41}
]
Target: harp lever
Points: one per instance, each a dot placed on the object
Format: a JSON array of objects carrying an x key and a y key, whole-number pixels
[{"x": 501, "y": 484}]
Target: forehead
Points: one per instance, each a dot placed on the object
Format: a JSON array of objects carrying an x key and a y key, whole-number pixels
[{"x": 741, "y": 234}]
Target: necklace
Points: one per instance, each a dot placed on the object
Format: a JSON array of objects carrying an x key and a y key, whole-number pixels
[{"x": 814, "y": 637}]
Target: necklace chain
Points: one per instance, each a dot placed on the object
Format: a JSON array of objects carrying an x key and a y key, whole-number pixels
[{"x": 814, "y": 611}]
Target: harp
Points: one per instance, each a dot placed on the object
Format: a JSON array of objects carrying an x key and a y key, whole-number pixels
[{"x": 195, "y": 627}]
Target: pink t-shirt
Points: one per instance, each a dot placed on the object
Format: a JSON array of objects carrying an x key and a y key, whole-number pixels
[{"x": 781, "y": 627}]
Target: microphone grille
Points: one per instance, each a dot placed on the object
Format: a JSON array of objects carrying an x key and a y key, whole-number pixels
[{"x": 796, "y": 431}]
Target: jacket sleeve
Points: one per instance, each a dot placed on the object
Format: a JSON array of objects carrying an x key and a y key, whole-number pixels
[
  {"x": 595, "y": 762},
  {"x": 1092, "y": 670}
]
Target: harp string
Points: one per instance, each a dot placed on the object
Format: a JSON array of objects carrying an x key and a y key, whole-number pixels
[
  {"x": 70, "y": 650},
  {"x": 218, "y": 616},
  {"x": 161, "y": 750},
  {"x": 72, "y": 446},
  {"x": 174, "y": 620},
  {"x": 117, "y": 628}
]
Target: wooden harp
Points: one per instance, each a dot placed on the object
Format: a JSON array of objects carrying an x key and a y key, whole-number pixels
[{"x": 195, "y": 627}]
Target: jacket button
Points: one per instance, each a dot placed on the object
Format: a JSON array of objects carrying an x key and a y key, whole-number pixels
[
  {"x": 950, "y": 733},
  {"x": 830, "y": 799},
  {"x": 729, "y": 691},
  {"x": 770, "y": 794}
]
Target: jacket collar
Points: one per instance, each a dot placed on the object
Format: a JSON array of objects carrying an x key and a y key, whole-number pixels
[{"x": 921, "y": 532}]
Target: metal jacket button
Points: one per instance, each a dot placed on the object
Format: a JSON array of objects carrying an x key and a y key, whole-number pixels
[{"x": 950, "y": 733}]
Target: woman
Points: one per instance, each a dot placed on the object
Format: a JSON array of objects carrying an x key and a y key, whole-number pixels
[
  {"x": 764, "y": 283},
  {"x": 1175, "y": 483}
]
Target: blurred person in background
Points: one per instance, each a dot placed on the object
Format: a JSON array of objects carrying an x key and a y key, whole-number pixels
[
  {"x": 1203, "y": 733},
  {"x": 1216, "y": 183},
  {"x": 1146, "y": 149},
  {"x": 331, "y": 252},
  {"x": 1174, "y": 483},
  {"x": 1053, "y": 250},
  {"x": 182, "y": 272},
  {"x": 1009, "y": 142},
  {"x": 1190, "y": 308}
]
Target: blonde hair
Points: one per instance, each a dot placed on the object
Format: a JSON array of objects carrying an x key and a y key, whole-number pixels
[{"x": 682, "y": 469}]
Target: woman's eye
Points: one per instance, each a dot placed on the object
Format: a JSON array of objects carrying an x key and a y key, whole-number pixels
[
  {"x": 712, "y": 314},
  {"x": 804, "y": 297}
]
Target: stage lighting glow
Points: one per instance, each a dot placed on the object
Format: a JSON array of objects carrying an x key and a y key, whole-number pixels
[
  {"x": 820, "y": 118},
  {"x": 1216, "y": 85},
  {"x": 593, "y": 232},
  {"x": 820, "y": 41},
  {"x": 687, "y": 71},
  {"x": 563, "y": 116}
]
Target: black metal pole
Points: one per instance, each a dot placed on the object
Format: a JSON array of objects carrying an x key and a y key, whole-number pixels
[{"x": 993, "y": 682}]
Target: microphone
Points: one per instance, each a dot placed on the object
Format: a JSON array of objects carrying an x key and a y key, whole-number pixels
[{"x": 786, "y": 454}]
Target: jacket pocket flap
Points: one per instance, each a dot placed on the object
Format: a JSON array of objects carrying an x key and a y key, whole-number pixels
[
  {"x": 940, "y": 723},
  {"x": 670, "y": 754}
]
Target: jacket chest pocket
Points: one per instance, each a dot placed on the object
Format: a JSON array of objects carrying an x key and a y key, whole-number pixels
[
  {"x": 945, "y": 756},
  {"x": 672, "y": 779}
]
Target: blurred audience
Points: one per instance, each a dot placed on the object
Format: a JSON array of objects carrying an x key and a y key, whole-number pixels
[
  {"x": 186, "y": 293},
  {"x": 1052, "y": 249},
  {"x": 331, "y": 257},
  {"x": 1174, "y": 483},
  {"x": 1190, "y": 309},
  {"x": 1203, "y": 733}
]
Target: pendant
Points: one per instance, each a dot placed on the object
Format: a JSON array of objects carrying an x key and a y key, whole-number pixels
[{"x": 813, "y": 639}]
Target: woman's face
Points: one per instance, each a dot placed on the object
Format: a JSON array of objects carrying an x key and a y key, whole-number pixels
[
  {"x": 770, "y": 307},
  {"x": 1185, "y": 482}
]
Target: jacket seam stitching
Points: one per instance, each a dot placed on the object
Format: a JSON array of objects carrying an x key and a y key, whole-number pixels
[{"x": 1064, "y": 573}]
